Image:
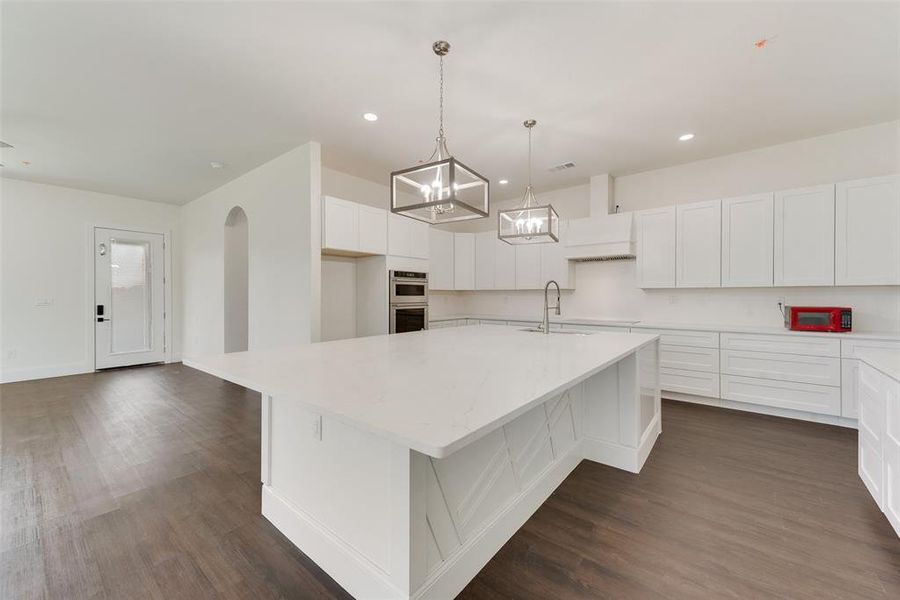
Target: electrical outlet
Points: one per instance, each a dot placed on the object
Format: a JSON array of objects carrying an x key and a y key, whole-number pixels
[{"x": 317, "y": 427}]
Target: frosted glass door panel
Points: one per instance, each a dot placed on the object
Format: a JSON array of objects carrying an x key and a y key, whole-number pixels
[{"x": 131, "y": 298}]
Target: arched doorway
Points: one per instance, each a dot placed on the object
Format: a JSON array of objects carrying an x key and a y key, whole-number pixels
[{"x": 237, "y": 288}]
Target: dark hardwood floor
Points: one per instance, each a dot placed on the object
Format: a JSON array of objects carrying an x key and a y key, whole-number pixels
[{"x": 144, "y": 483}]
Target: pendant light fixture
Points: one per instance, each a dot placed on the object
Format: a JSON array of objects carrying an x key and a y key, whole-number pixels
[
  {"x": 531, "y": 223},
  {"x": 443, "y": 189}
]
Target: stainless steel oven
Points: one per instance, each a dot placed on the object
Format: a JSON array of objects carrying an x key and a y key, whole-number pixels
[
  {"x": 408, "y": 317},
  {"x": 408, "y": 287}
]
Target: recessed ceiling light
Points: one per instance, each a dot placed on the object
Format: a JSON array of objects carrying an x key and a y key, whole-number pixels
[
  {"x": 503, "y": 181},
  {"x": 26, "y": 163},
  {"x": 217, "y": 165},
  {"x": 370, "y": 117},
  {"x": 685, "y": 137}
]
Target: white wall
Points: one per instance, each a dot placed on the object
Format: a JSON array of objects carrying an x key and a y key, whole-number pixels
[
  {"x": 46, "y": 251},
  {"x": 607, "y": 290},
  {"x": 355, "y": 189},
  {"x": 281, "y": 199}
]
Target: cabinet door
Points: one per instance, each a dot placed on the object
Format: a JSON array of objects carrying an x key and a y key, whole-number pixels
[
  {"x": 849, "y": 383},
  {"x": 504, "y": 265},
  {"x": 656, "y": 248},
  {"x": 440, "y": 261},
  {"x": 804, "y": 236},
  {"x": 485, "y": 251},
  {"x": 528, "y": 267},
  {"x": 399, "y": 235},
  {"x": 418, "y": 239},
  {"x": 554, "y": 264},
  {"x": 372, "y": 230},
  {"x": 747, "y": 245},
  {"x": 340, "y": 224},
  {"x": 867, "y": 232},
  {"x": 698, "y": 244},
  {"x": 464, "y": 261}
]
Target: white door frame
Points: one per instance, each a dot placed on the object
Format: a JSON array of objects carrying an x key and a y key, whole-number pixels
[{"x": 89, "y": 305}]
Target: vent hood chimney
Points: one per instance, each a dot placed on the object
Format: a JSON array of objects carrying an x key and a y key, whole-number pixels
[{"x": 601, "y": 236}]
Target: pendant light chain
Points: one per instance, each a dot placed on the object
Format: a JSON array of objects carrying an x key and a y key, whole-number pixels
[
  {"x": 529, "y": 157},
  {"x": 441, "y": 117}
]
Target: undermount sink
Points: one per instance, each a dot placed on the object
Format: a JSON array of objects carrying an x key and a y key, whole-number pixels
[{"x": 556, "y": 331}]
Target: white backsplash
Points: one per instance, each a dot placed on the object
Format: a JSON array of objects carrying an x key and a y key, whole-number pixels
[{"x": 606, "y": 290}]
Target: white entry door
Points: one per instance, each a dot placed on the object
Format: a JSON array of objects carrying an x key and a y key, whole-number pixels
[{"x": 129, "y": 311}]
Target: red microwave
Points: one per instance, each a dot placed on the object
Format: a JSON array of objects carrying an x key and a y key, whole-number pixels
[{"x": 818, "y": 318}]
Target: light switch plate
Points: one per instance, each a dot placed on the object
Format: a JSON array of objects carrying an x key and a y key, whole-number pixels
[
  {"x": 317, "y": 427},
  {"x": 43, "y": 301}
]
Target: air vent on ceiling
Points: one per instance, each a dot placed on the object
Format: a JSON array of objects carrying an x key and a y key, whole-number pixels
[{"x": 562, "y": 167}]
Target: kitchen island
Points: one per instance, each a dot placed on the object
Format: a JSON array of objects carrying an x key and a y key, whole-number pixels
[{"x": 401, "y": 464}]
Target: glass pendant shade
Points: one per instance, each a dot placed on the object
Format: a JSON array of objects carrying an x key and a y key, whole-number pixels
[
  {"x": 442, "y": 190},
  {"x": 531, "y": 223}
]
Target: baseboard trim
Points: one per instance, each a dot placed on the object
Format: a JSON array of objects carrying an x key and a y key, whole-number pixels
[
  {"x": 763, "y": 410},
  {"x": 44, "y": 372},
  {"x": 359, "y": 577},
  {"x": 459, "y": 569},
  {"x": 620, "y": 456}
]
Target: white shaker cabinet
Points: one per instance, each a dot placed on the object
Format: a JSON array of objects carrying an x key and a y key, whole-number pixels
[
  {"x": 418, "y": 239},
  {"x": 407, "y": 237},
  {"x": 747, "y": 248},
  {"x": 485, "y": 259},
  {"x": 554, "y": 264},
  {"x": 340, "y": 224},
  {"x": 440, "y": 262},
  {"x": 464, "y": 261},
  {"x": 528, "y": 267},
  {"x": 372, "y": 230},
  {"x": 504, "y": 264},
  {"x": 351, "y": 228},
  {"x": 656, "y": 248},
  {"x": 698, "y": 244},
  {"x": 867, "y": 231},
  {"x": 804, "y": 236}
]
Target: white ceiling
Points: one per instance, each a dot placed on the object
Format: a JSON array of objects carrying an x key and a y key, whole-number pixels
[{"x": 137, "y": 99}]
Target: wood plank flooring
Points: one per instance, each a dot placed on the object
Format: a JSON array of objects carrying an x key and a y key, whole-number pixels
[{"x": 144, "y": 483}]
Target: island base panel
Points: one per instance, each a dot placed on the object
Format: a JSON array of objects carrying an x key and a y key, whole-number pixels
[{"x": 388, "y": 522}]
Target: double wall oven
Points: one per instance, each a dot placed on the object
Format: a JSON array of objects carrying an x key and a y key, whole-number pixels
[{"x": 408, "y": 301}]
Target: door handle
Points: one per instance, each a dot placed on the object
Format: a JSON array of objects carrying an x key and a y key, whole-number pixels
[{"x": 101, "y": 320}]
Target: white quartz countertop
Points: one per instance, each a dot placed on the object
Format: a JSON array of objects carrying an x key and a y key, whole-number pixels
[
  {"x": 433, "y": 391},
  {"x": 649, "y": 324},
  {"x": 885, "y": 360}
]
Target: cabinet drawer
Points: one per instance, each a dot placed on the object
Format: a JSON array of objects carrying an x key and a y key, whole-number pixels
[
  {"x": 871, "y": 470},
  {"x": 686, "y": 357},
  {"x": 820, "y": 370},
  {"x": 683, "y": 337},
  {"x": 689, "y": 382},
  {"x": 820, "y": 399},
  {"x": 849, "y": 347},
  {"x": 784, "y": 344}
]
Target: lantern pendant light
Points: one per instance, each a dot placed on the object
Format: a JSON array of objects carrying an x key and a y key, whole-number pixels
[
  {"x": 442, "y": 190},
  {"x": 531, "y": 223}
]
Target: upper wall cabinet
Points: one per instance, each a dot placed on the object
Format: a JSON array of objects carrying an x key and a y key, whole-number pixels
[
  {"x": 698, "y": 244},
  {"x": 440, "y": 262},
  {"x": 485, "y": 259},
  {"x": 656, "y": 248},
  {"x": 747, "y": 231},
  {"x": 351, "y": 228},
  {"x": 464, "y": 261},
  {"x": 867, "y": 232},
  {"x": 407, "y": 237},
  {"x": 804, "y": 236},
  {"x": 528, "y": 267}
]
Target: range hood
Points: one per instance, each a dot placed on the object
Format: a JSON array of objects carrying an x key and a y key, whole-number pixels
[{"x": 607, "y": 237}]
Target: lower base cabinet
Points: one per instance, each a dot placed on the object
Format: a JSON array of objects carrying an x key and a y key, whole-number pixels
[
  {"x": 789, "y": 395},
  {"x": 879, "y": 440}
]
